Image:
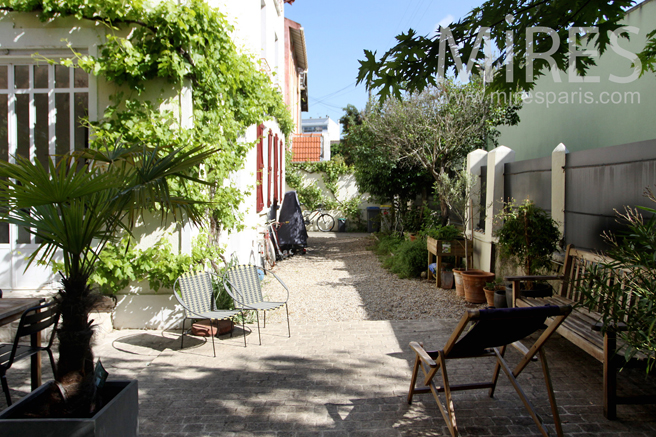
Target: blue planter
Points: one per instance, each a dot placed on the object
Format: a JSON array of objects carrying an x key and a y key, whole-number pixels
[{"x": 117, "y": 418}]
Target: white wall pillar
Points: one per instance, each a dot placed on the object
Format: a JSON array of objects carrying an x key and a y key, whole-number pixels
[
  {"x": 558, "y": 162},
  {"x": 475, "y": 160},
  {"x": 496, "y": 159}
]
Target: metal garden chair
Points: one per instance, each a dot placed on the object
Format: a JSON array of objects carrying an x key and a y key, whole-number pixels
[
  {"x": 243, "y": 283},
  {"x": 493, "y": 331},
  {"x": 32, "y": 321},
  {"x": 195, "y": 293}
]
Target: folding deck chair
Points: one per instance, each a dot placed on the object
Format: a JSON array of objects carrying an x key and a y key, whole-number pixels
[
  {"x": 242, "y": 282},
  {"x": 493, "y": 331}
]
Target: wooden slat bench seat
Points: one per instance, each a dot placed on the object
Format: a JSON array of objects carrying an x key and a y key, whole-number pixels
[{"x": 582, "y": 326}]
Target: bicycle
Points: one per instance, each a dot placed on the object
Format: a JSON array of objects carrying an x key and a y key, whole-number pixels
[
  {"x": 325, "y": 221},
  {"x": 266, "y": 250},
  {"x": 272, "y": 227}
]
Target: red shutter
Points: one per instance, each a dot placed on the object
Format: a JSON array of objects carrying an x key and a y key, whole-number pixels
[
  {"x": 260, "y": 166},
  {"x": 269, "y": 157},
  {"x": 276, "y": 196},
  {"x": 281, "y": 168}
]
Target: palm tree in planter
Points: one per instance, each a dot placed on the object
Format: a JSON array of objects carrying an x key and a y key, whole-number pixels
[{"x": 75, "y": 208}]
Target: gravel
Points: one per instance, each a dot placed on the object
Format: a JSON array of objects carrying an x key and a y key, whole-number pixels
[{"x": 339, "y": 279}]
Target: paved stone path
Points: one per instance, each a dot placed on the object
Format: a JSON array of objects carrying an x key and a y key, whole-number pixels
[{"x": 345, "y": 378}]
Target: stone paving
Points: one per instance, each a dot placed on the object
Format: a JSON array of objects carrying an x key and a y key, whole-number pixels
[{"x": 344, "y": 378}]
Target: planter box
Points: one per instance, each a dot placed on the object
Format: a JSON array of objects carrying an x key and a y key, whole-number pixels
[
  {"x": 449, "y": 247},
  {"x": 439, "y": 248},
  {"x": 117, "y": 418}
]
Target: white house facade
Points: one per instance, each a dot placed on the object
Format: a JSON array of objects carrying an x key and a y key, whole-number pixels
[{"x": 40, "y": 105}]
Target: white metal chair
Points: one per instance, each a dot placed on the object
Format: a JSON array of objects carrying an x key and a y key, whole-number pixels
[
  {"x": 243, "y": 283},
  {"x": 195, "y": 292}
]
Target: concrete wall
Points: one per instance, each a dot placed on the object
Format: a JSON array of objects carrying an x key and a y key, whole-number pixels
[
  {"x": 581, "y": 190},
  {"x": 347, "y": 189},
  {"x": 591, "y": 114}
]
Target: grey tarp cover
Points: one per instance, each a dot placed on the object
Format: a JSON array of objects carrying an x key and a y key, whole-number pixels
[{"x": 292, "y": 233}]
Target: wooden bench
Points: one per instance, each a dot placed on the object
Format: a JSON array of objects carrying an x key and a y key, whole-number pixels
[{"x": 582, "y": 327}]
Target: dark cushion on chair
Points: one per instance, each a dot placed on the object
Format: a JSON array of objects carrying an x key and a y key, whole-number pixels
[{"x": 499, "y": 327}]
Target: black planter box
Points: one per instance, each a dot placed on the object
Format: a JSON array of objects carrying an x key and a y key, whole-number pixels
[{"x": 119, "y": 416}]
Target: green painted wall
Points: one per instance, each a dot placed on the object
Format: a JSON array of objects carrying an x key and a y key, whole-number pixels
[{"x": 590, "y": 115}]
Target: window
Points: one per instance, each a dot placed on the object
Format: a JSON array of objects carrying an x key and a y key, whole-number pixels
[
  {"x": 41, "y": 109},
  {"x": 260, "y": 167}
]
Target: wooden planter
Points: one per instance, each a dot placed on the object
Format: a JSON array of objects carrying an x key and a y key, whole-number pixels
[{"x": 440, "y": 248}]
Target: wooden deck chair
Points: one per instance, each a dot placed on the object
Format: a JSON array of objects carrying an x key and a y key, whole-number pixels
[
  {"x": 243, "y": 284},
  {"x": 195, "y": 292},
  {"x": 493, "y": 331}
]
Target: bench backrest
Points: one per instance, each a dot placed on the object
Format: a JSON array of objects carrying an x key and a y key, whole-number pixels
[{"x": 577, "y": 264}]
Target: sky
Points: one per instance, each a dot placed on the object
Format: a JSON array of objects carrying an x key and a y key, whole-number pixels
[{"x": 338, "y": 31}]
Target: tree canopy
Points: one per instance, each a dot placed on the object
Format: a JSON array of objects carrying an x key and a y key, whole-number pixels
[
  {"x": 400, "y": 146},
  {"x": 519, "y": 29}
]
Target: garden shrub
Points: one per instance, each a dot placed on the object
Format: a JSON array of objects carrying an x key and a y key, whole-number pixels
[
  {"x": 410, "y": 259},
  {"x": 405, "y": 258}
]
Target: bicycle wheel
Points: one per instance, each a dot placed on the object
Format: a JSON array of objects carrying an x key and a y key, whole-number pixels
[
  {"x": 325, "y": 222},
  {"x": 270, "y": 253},
  {"x": 273, "y": 232}
]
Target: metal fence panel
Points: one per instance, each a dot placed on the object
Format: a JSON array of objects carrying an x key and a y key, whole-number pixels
[
  {"x": 529, "y": 179},
  {"x": 600, "y": 181}
]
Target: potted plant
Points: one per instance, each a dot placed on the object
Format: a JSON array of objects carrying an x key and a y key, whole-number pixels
[
  {"x": 495, "y": 293},
  {"x": 75, "y": 208},
  {"x": 528, "y": 237}
]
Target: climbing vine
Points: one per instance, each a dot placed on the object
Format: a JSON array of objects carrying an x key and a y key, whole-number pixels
[
  {"x": 189, "y": 46},
  {"x": 311, "y": 195}
]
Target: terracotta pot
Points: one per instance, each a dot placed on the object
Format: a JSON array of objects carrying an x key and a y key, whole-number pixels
[
  {"x": 460, "y": 286},
  {"x": 489, "y": 297},
  {"x": 474, "y": 282},
  {"x": 203, "y": 329}
]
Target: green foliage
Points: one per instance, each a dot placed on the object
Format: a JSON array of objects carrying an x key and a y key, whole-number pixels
[
  {"x": 377, "y": 167},
  {"x": 403, "y": 146},
  {"x": 528, "y": 236},
  {"x": 404, "y": 257},
  {"x": 633, "y": 253},
  {"x": 439, "y": 232},
  {"x": 122, "y": 263},
  {"x": 387, "y": 243},
  {"x": 312, "y": 196},
  {"x": 187, "y": 44},
  {"x": 414, "y": 63}
]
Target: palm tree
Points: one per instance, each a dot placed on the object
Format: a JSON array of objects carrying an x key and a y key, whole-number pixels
[{"x": 74, "y": 208}]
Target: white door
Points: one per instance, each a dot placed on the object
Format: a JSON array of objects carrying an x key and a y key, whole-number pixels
[{"x": 41, "y": 107}]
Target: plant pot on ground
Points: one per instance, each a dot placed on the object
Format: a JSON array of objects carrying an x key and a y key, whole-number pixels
[
  {"x": 447, "y": 277},
  {"x": 490, "y": 289},
  {"x": 457, "y": 278},
  {"x": 528, "y": 237},
  {"x": 474, "y": 282}
]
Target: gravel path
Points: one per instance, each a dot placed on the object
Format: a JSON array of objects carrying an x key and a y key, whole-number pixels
[{"x": 339, "y": 279}]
